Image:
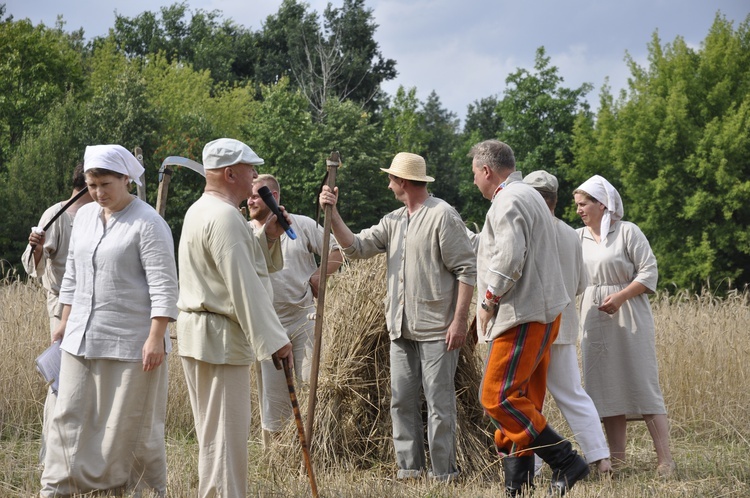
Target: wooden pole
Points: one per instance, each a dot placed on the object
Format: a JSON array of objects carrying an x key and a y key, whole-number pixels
[
  {"x": 332, "y": 164},
  {"x": 165, "y": 176},
  {"x": 141, "y": 189}
]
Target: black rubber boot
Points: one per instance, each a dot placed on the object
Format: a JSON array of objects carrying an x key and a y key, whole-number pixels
[
  {"x": 519, "y": 474},
  {"x": 567, "y": 466}
]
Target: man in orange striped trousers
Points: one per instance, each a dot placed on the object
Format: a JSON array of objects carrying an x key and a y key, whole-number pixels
[{"x": 522, "y": 295}]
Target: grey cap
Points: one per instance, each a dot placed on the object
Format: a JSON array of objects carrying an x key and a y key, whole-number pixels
[
  {"x": 224, "y": 152},
  {"x": 541, "y": 180}
]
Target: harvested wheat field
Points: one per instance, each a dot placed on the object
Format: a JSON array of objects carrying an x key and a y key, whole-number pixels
[{"x": 703, "y": 346}]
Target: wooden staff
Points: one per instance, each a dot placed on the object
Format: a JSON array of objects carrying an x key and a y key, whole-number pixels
[
  {"x": 332, "y": 164},
  {"x": 298, "y": 419},
  {"x": 141, "y": 189}
]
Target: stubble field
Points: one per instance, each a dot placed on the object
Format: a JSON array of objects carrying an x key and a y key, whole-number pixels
[{"x": 703, "y": 347}]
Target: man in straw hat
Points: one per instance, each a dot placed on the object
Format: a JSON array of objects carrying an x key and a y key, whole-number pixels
[
  {"x": 226, "y": 315},
  {"x": 431, "y": 275},
  {"x": 563, "y": 375},
  {"x": 522, "y": 295}
]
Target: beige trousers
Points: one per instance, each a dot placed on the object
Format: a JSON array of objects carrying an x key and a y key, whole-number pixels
[
  {"x": 220, "y": 399},
  {"x": 107, "y": 429}
]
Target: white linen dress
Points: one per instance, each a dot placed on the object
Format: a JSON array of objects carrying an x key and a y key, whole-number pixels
[{"x": 619, "y": 354}]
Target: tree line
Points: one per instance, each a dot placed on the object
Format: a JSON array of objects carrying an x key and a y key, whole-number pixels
[{"x": 676, "y": 142}]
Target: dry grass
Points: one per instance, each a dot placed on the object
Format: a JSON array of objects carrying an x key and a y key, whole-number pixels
[{"x": 702, "y": 344}]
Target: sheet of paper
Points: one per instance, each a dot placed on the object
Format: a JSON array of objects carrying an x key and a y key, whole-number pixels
[{"x": 48, "y": 364}]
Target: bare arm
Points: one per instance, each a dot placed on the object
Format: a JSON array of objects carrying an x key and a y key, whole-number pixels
[
  {"x": 59, "y": 332},
  {"x": 456, "y": 336},
  {"x": 153, "y": 349},
  {"x": 335, "y": 260},
  {"x": 343, "y": 235},
  {"x": 613, "y": 302}
]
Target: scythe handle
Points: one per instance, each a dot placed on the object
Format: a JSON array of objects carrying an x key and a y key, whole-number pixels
[
  {"x": 332, "y": 164},
  {"x": 165, "y": 176}
]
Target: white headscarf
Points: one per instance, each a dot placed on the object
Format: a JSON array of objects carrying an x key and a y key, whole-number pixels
[
  {"x": 114, "y": 158},
  {"x": 600, "y": 189}
]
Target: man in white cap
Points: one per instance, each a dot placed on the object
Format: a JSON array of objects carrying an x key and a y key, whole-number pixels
[
  {"x": 295, "y": 288},
  {"x": 431, "y": 275},
  {"x": 47, "y": 261},
  {"x": 522, "y": 295},
  {"x": 226, "y": 317},
  {"x": 563, "y": 375}
]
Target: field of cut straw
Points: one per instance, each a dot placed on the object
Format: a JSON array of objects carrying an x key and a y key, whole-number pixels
[{"x": 703, "y": 346}]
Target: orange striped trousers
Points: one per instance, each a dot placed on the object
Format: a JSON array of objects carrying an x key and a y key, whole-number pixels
[{"x": 515, "y": 382}]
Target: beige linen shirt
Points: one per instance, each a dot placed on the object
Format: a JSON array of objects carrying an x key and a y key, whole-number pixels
[
  {"x": 517, "y": 256},
  {"x": 292, "y": 295},
  {"x": 118, "y": 277},
  {"x": 427, "y": 254},
  {"x": 574, "y": 275},
  {"x": 226, "y": 298},
  {"x": 51, "y": 267}
]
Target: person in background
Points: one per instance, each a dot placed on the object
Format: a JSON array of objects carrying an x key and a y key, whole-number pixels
[
  {"x": 118, "y": 294},
  {"x": 431, "y": 272},
  {"x": 47, "y": 261},
  {"x": 226, "y": 317},
  {"x": 522, "y": 295},
  {"x": 563, "y": 374},
  {"x": 619, "y": 350},
  {"x": 294, "y": 290}
]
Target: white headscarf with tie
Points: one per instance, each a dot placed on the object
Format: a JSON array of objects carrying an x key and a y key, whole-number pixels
[
  {"x": 600, "y": 189},
  {"x": 114, "y": 158}
]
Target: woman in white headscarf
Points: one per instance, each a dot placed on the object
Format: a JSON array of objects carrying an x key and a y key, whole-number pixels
[
  {"x": 119, "y": 292},
  {"x": 619, "y": 353}
]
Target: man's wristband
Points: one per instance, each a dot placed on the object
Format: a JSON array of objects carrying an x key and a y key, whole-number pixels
[{"x": 486, "y": 306}]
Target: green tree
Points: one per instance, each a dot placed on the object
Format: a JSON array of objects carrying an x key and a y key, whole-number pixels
[
  {"x": 205, "y": 40},
  {"x": 403, "y": 123},
  {"x": 339, "y": 60},
  {"x": 482, "y": 117},
  {"x": 441, "y": 128},
  {"x": 364, "y": 195},
  {"x": 538, "y": 116},
  {"x": 678, "y": 144},
  {"x": 38, "y": 66},
  {"x": 38, "y": 175}
]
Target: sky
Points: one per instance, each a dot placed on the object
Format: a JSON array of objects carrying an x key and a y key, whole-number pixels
[{"x": 464, "y": 49}]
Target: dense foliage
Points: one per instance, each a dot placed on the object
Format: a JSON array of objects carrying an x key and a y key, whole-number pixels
[{"x": 676, "y": 142}]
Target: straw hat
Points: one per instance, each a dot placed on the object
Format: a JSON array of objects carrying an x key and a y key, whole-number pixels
[{"x": 409, "y": 167}]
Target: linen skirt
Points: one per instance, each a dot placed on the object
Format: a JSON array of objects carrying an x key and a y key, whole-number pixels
[{"x": 107, "y": 428}]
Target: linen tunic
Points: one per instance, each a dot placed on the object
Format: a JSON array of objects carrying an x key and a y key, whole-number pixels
[
  {"x": 292, "y": 295},
  {"x": 226, "y": 299},
  {"x": 427, "y": 254},
  {"x": 117, "y": 279},
  {"x": 51, "y": 267},
  {"x": 575, "y": 277},
  {"x": 517, "y": 255},
  {"x": 619, "y": 353}
]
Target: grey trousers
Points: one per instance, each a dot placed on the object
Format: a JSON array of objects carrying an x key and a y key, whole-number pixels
[{"x": 430, "y": 366}]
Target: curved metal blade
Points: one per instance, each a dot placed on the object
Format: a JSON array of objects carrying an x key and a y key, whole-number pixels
[{"x": 183, "y": 161}]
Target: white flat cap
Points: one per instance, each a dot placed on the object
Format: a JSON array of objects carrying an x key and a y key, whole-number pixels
[
  {"x": 224, "y": 152},
  {"x": 541, "y": 180}
]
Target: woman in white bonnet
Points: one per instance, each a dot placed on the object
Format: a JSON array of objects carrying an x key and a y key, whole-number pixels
[
  {"x": 119, "y": 292},
  {"x": 619, "y": 353}
]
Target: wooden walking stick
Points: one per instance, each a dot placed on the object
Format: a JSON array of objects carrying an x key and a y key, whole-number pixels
[
  {"x": 332, "y": 163},
  {"x": 279, "y": 363}
]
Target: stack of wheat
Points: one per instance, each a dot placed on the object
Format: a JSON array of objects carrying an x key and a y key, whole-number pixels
[{"x": 352, "y": 417}]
